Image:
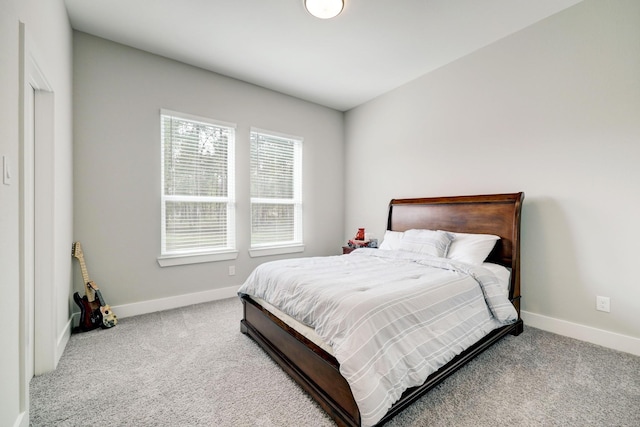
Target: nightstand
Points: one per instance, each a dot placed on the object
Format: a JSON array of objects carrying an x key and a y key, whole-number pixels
[{"x": 347, "y": 250}]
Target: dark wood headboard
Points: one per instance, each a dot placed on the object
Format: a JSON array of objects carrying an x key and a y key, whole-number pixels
[{"x": 497, "y": 214}]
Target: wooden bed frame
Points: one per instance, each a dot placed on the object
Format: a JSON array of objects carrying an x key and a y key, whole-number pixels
[{"x": 318, "y": 372}]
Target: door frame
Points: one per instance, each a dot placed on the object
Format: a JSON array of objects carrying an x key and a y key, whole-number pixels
[{"x": 37, "y": 279}]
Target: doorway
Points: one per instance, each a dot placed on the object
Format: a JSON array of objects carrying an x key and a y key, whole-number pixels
[{"x": 37, "y": 310}]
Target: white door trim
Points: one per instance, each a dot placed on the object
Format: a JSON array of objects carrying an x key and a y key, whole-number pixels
[
  {"x": 45, "y": 308},
  {"x": 37, "y": 279}
]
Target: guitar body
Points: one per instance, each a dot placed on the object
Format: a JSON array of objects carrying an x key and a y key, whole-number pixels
[
  {"x": 90, "y": 314},
  {"x": 109, "y": 320}
]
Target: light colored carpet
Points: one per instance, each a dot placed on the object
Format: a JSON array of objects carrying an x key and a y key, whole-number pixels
[{"x": 192, "y": 367}]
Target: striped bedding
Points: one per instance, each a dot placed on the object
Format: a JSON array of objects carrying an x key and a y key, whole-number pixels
[{"x": 391, "y": 317}]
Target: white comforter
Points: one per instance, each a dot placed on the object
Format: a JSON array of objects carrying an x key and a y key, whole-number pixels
[{"x": 392, "y": 317}]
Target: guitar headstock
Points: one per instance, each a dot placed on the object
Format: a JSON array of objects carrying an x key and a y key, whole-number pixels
[{"x": 76, "y": 250}]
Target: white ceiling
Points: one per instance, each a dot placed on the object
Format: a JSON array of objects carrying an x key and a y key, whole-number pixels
[{"x": 373, "y": 46}]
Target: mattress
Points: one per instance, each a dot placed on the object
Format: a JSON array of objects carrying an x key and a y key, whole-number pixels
[
  {"x": 502, "y": 273},
  {"x": 304, "y": 330}
]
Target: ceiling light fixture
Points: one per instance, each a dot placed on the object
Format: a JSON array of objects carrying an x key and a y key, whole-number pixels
[{"x": 324, "y": 9}]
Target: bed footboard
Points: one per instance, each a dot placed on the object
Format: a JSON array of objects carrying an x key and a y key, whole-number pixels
[
  {"x": 318, "y": 373},
  {"x": 310, "y": 366}
]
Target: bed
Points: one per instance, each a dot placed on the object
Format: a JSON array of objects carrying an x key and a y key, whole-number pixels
[{"x": 316, "y": 369}]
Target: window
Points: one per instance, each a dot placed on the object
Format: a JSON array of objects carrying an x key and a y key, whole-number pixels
[
  {"x": 198, "y": 201},
  {"x": 276, "y": 193}
]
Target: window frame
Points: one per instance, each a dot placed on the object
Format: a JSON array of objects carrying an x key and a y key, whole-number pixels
[
  {"x": 297, "y": 244},
  {"x": 192, "y": 256}
]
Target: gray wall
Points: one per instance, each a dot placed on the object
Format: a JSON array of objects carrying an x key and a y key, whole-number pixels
[
  {"x": 119, "y": 92},
  {"x": 553, "y": 111}
]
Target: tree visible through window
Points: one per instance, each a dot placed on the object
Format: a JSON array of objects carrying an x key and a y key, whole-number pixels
[
  {"x": 198, "y": 204},
  {"x": 276, "y": 190}
]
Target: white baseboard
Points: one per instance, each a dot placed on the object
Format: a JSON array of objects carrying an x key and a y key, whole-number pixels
[
  {"x": 601, "y": 337},
  {"x": 63, "y": 339},
  {"x": 22, "y": 420},
  {"x": 596, "y": 336},
  {"x": 151, "y": 306}
]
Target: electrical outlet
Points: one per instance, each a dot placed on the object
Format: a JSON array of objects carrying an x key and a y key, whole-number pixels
[
  {"x": 603, "y": 304},
  {"x": 232, "y": 270}
]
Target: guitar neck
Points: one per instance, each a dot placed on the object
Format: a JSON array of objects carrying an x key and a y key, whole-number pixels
[
  {"x": 83, "y": 269},
  {"x": 88, "y": 290},
  {"x": 99, "y": 297},
  {"x": 77, "y": 253}
]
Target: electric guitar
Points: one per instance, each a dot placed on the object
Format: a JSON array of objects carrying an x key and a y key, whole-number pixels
[{"x": 94, "y": 312}]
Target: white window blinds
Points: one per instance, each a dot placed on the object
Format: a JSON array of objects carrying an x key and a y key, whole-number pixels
[
  {"x": 276, "y": 190},
  {"x": 198, "y": 201}
]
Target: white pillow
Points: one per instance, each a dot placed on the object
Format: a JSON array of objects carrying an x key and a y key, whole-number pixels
[
  {"x": 471, "y": 248},
  {"x": 426, "y": 242},
  {"x": 391, "y": 240}
]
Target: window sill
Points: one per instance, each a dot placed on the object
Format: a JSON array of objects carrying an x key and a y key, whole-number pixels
[
  {"x": 170, "y": 261},
  {"x": 275, "y": 250}
]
